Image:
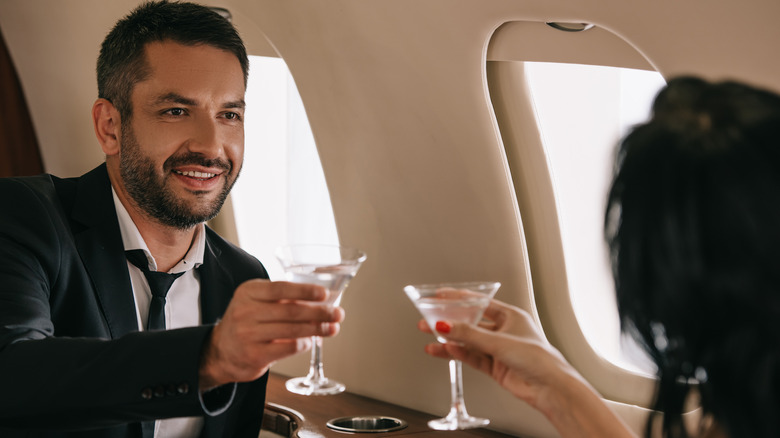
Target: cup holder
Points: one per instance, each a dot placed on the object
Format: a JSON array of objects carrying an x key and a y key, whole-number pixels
[{"x": 366, "y": 424}]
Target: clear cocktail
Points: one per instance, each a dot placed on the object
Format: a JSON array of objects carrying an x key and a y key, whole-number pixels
[
  {"x": 454, "y": 302},
  {"x": 331, "y": 267}
]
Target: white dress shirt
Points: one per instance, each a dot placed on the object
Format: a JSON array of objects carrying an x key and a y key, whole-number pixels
[{"x": 182, "y": 306}]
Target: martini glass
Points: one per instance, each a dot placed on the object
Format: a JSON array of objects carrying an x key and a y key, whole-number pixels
[
  {"x": 456, "y": 302},
  {"x": 330, "y": 266}
]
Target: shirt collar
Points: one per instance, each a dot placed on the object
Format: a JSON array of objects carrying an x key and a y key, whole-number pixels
[{"x": 132, "y": 239}]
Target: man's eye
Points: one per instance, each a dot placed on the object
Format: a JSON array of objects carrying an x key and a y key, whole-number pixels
[
  {"x": 232, "y": 116},
  {"x": 176, "y": 111}
]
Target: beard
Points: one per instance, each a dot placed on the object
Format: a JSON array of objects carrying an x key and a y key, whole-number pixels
[{"x": 149, "y": 189}]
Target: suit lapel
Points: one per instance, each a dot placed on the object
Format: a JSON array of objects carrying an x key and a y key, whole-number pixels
[
  {"x": 102, "y": 252},
  {"x": 214, "y": 280},
  {"x": 216, "y": 290},
  {"x": 100, "y": 246}
]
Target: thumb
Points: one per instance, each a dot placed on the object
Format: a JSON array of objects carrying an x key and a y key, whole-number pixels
[
  {"x": 458, "y": 332},
  {"x": 473, "y": 337},
  {"x": 469, "y": 344}
]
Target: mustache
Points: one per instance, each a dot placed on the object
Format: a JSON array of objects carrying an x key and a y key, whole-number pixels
[{"x": 198, "y": 160}]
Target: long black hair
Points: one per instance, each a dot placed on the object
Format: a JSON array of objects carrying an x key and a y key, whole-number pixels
[{"x": 693, "y": 226}]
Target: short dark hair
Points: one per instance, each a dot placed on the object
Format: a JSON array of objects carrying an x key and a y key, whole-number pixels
[
  {"x": 693, "y": 226},
  {"x": 122, "y": 61}
]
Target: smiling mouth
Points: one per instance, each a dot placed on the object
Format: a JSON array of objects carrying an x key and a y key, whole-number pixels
[{"x": 197, "y": 175}]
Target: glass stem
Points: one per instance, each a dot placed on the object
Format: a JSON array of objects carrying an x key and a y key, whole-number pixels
[
  {"x": 316, "y": 373},
  {"x": 458, "y": 407}
]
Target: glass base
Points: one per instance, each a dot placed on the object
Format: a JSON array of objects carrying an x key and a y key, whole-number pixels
[
  {"x": 306, "y": 386},
  {"x": 453, "y": 422}
]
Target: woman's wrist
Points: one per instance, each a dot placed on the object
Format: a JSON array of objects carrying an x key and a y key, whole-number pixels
[{"x": 575, "y": 409}]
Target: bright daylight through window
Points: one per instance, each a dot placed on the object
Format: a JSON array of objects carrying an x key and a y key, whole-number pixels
[
  {"x": 583, "y": 111},
  {"x": 281, "y": 197}
]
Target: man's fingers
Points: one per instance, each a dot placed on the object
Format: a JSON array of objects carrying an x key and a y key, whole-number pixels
[
  {"x": 282, "y": 331},
  {"x": 254, "y": 362},
  {"x": 270, "y": 291},
  {"x": 264, "y": 322},
  {"x": 285, "y": 348},
  {"x": 289, "y": 312}
]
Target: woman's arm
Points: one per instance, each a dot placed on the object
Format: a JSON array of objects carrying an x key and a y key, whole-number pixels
[{"x": 510, "y": 349}]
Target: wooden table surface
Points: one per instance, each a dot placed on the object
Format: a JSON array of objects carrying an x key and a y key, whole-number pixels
[{"x": 300, "y": 416}]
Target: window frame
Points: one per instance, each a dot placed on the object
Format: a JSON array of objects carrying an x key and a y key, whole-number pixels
[{"x": 533, "y": 183}]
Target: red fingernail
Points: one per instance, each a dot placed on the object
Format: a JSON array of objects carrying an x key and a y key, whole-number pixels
[{"x": 443, "y": 327}]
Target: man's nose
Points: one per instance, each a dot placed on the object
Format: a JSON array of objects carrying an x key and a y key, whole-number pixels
[{"x": 206, "y": 139}]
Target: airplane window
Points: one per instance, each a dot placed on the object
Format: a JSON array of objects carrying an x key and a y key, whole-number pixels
[
  {"x": 582, "y": 112},
  {"x": 281, "y": 196}
]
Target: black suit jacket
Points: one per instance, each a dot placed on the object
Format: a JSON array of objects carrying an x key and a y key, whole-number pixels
[{"x": 72, "y": 362}]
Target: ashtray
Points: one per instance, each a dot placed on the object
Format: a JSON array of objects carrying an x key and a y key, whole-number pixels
[{"x": 366, "y": 424}]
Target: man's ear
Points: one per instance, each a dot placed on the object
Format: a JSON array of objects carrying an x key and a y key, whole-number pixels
[{"x": 107, "y": 123}]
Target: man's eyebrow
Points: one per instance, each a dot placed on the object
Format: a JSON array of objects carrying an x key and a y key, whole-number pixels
[
  {"x": 175, "y": 98},
  {"x": 239, "y": 104},
  {"x": 181, "y": 100}
]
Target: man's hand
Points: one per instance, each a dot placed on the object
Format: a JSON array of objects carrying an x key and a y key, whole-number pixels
[{"x": 265, "y": 321}]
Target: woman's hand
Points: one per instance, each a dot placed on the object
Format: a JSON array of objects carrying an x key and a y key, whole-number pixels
[{"x": 509, "y": 347}]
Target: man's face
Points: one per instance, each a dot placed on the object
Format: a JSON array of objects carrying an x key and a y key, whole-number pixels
[{"x": 183, "y": 148}]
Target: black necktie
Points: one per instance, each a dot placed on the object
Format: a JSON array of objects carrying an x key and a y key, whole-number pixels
[{"x": 159, "y": 283}]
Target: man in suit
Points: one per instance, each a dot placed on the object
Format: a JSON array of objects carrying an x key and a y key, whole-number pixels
[{"x": 82, "y": 351}]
